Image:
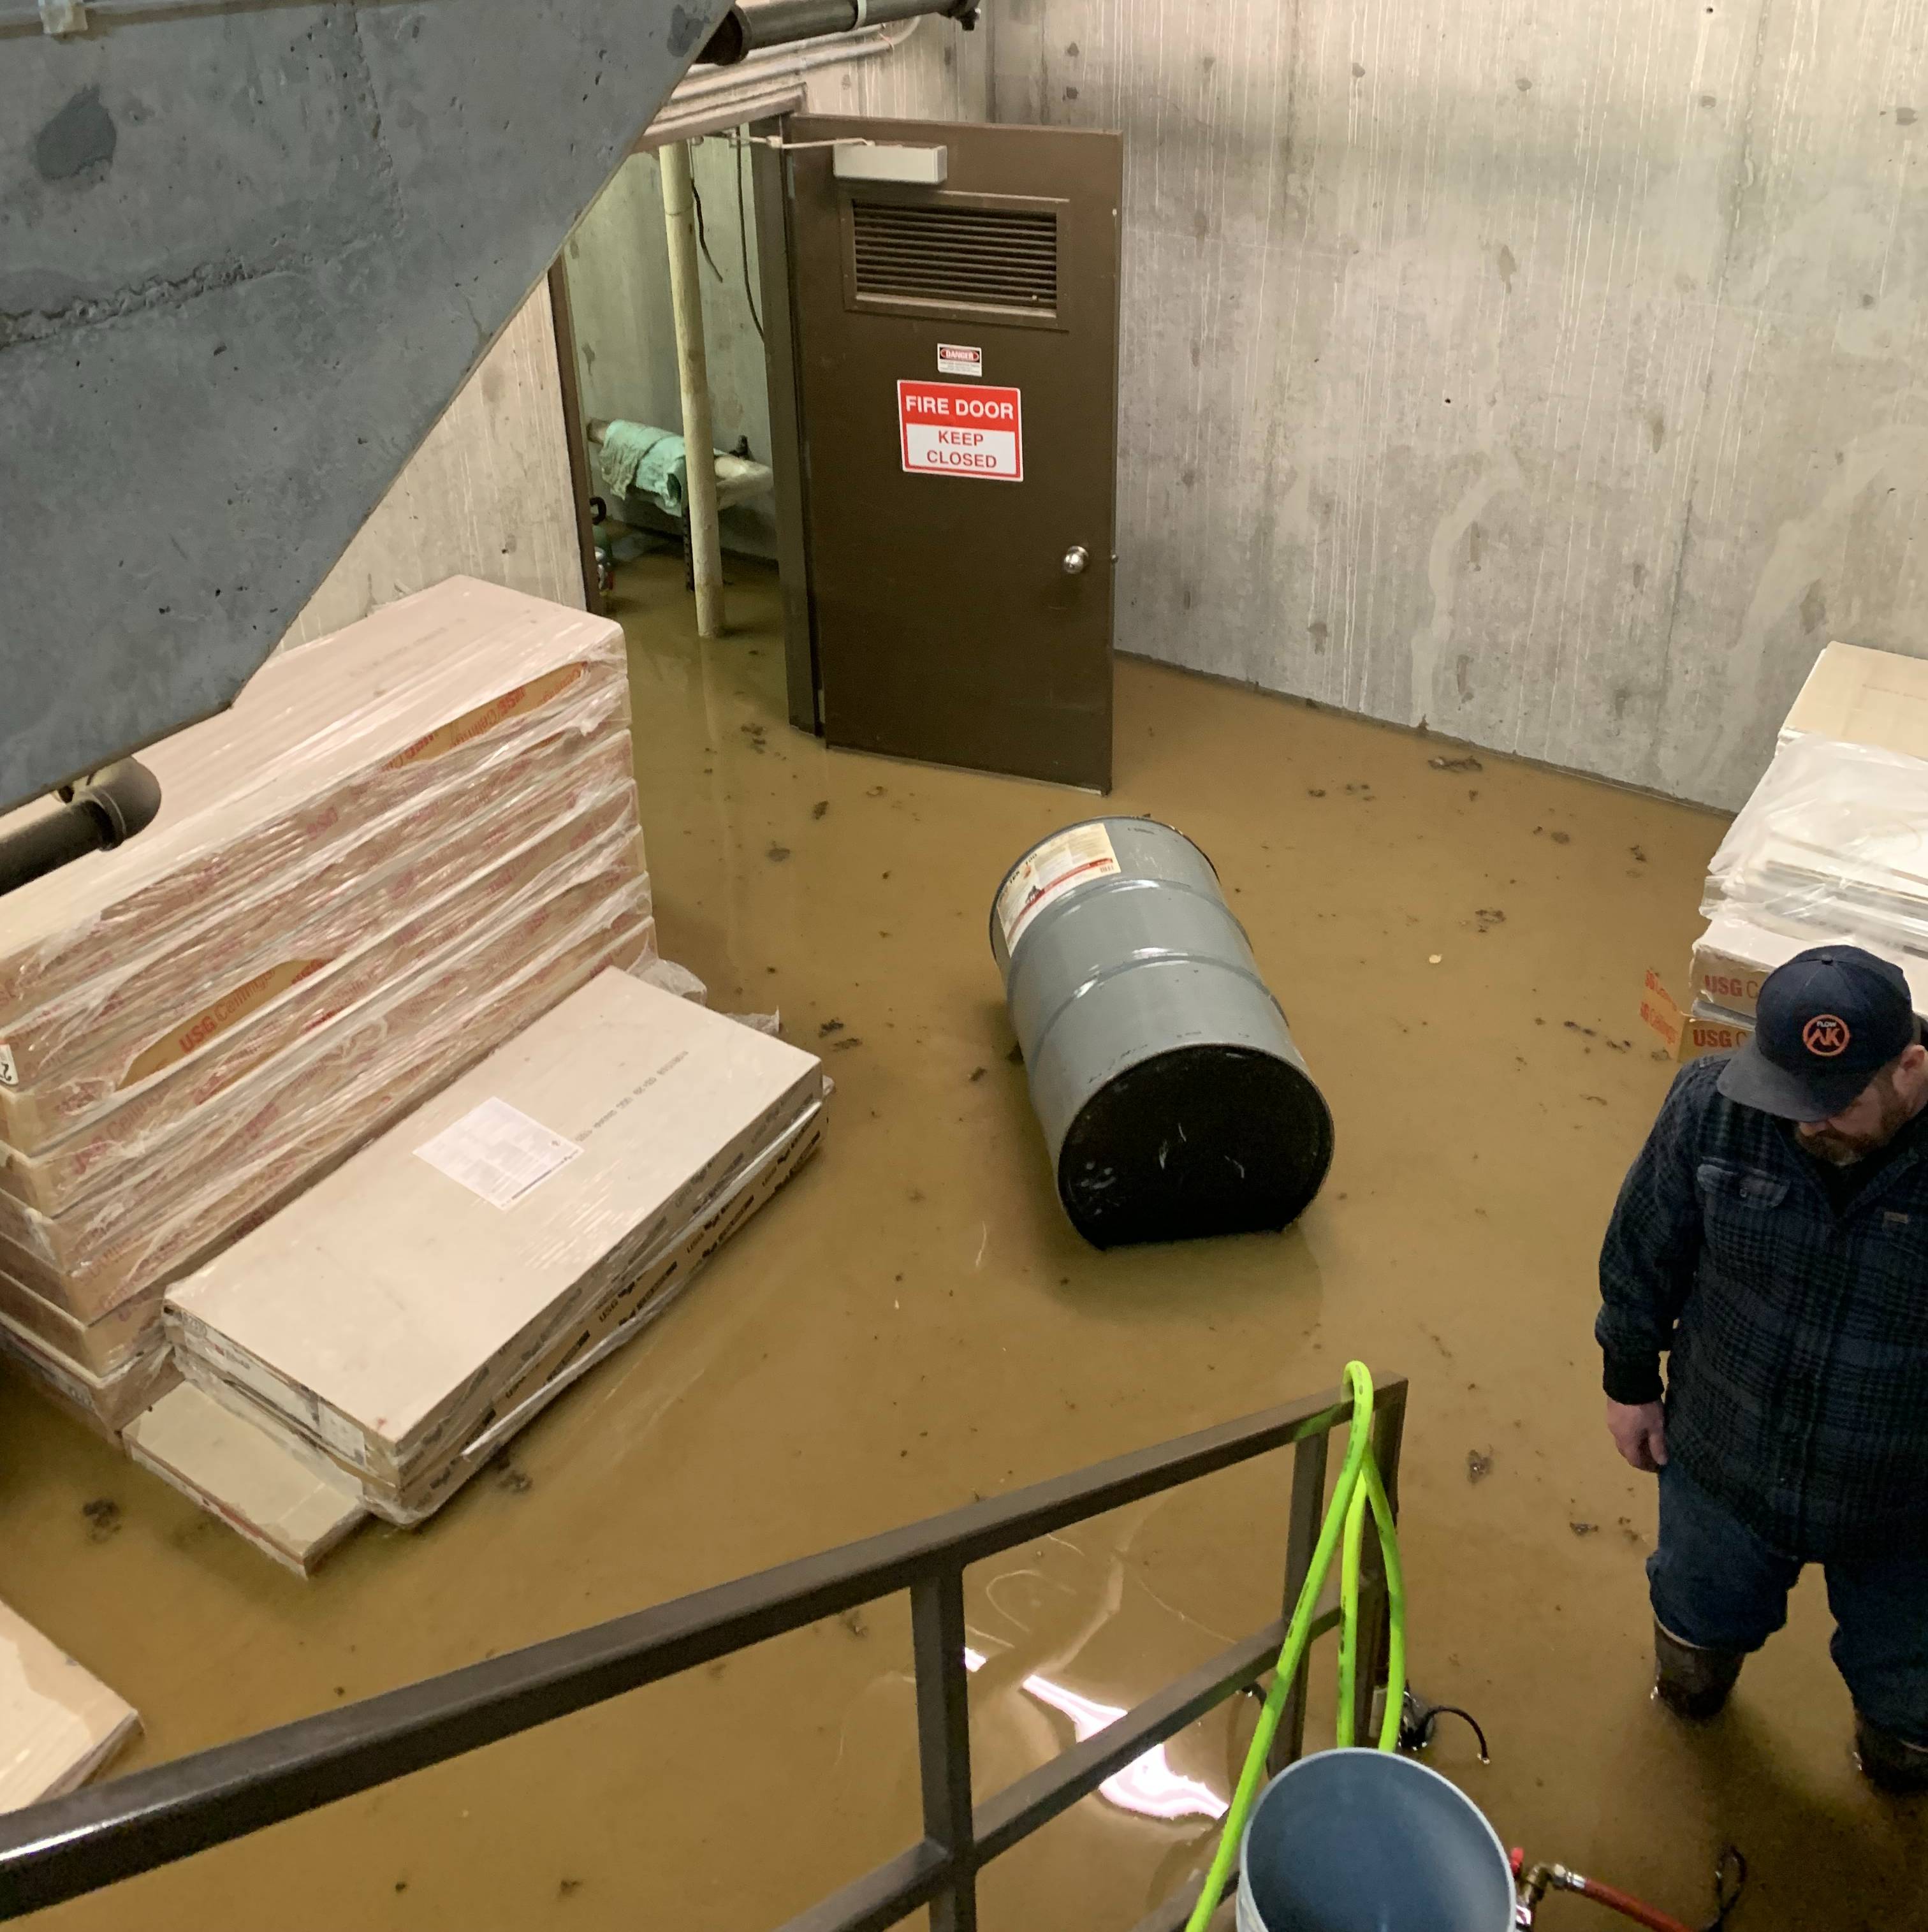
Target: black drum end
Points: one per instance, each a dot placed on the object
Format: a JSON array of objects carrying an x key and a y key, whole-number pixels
[{"x": 1196, "y": 1142}]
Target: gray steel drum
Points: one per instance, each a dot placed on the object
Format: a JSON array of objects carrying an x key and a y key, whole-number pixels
[
  {"x": 1366, "y": 1841},
  {"x": 1173, "y": 1100}
]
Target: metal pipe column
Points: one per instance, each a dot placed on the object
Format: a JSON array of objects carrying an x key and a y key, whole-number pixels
[{"x": 693, "y": 375}]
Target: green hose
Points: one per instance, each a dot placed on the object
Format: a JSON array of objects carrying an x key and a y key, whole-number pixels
[{"x": 1359, "y": 1488}]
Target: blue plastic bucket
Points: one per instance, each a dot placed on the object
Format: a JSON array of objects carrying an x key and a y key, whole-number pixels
[{"x": 1366, "y": 1841}]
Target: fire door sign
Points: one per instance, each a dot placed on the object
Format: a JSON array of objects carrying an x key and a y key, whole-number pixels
[{"x": 958, "y": 429}]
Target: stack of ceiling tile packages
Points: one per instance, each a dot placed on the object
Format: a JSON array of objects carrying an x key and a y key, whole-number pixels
[
  {"x": 401, "y": 843},
  {"x": 392, "y": 903},
  {"x": 1832, "y": 847}
]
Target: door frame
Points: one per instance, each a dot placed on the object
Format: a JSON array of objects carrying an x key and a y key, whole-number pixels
[
  {"x": 770, "y": 187},
  {"x": 580, "y": 487},
  {"x": 774, "y": 202}
]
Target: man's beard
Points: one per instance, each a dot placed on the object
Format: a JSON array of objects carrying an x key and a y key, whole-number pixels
[
  {"x": 1837, "y": 1150},
  {"x": 1840, "y": 1149}
]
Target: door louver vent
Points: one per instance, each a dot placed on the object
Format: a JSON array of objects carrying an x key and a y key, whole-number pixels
[{"x": 961, "y": 257}]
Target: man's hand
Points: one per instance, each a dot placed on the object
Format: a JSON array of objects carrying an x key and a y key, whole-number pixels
[{"x": 1639, "y": 1432}]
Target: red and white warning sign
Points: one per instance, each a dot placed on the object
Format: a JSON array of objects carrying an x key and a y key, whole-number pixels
[{"x": 957, "y": 429}]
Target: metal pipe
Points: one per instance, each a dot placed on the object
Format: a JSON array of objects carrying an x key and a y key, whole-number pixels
[
  {"x": 53, "y": 839},
  {"x": 770, "y": 101},
  {"x": 1534, "y": 1886},
  {"x": 770, "y": 64},
  {"x": 753, "y": 24},
  {"x": 693, "y": 375},
  {"x": 762, "y": 86},
  {"x": 99, "y": 813}
]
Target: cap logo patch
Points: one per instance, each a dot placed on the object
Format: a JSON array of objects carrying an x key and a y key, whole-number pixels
[{"x": 1826, "y": 1036}]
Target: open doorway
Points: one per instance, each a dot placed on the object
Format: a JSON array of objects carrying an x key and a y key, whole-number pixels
[
  {"x": 904, "y": 334},
  {"x": 618, "y": 270}
]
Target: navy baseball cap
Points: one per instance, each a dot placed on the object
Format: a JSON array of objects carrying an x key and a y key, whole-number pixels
[{"x": 1825, "y": 1024}]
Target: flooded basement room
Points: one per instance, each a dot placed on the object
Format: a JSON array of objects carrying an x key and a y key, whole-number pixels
[{"x": 959, "y": 966}]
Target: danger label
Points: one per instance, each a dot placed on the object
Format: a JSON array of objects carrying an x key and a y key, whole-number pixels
[{"x": 949, "y": 429}]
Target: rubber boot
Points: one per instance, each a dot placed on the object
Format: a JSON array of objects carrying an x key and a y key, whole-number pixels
[
  {"x": 1691, "y": 1682},
  {"x": 1888, "y": 1763}
]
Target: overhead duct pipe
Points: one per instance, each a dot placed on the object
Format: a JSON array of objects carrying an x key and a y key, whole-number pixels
[{"x": 753, "y": 24}]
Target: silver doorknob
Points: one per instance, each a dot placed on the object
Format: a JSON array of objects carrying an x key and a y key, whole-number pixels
[{"x": 1076, "y": 559}]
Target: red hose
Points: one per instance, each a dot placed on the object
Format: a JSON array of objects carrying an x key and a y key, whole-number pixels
[{"x": 1627, "y": 1907}]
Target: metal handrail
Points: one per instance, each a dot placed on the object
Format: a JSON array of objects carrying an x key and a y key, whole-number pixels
[{"x": 98, "y": 1836}]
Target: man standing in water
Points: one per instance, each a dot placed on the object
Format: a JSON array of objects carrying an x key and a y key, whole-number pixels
[{"x": 1772, "y": 1241}]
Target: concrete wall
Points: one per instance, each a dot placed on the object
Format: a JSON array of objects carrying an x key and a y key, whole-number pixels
[
  {"x": 1549, "y": 374},
  {"x": 487, "y": 495},
  {"x": 618, "y": 268}
]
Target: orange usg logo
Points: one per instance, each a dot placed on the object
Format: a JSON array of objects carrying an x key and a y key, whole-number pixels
[{"x": 1825, "y": 1035}]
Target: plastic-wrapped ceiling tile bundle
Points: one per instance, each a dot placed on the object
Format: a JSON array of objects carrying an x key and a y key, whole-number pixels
[
  {"x": 105, "y": 1100},
  {"x": 407, "y": 1314},
  {"x": 110, "y": 1242},
  {"x": 1833, "y": 845},
  {"x": 342, "y": 740},
  {"x": 404, "y": 842}
]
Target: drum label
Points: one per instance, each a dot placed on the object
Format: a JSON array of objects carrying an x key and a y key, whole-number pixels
[{"x": 1070, "y": 860}]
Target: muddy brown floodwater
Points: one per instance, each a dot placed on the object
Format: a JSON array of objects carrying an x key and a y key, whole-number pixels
[{"x": 914, "y": 1323}]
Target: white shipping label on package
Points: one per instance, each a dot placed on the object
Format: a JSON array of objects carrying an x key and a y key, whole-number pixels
[
  {"x": 10, "y": 1075},
  {"x": 1073, "y": 858},
  {"x": 497, "y": 1151}
]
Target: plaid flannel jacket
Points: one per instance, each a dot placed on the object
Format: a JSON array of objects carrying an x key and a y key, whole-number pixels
[{"x": 1797, "y": 1378}]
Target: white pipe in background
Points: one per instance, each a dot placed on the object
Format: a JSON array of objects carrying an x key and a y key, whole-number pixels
[{"x": 693, "y": 375}]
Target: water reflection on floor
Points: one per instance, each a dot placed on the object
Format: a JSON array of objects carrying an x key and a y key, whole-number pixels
[{"x": 914, "y": 1323}]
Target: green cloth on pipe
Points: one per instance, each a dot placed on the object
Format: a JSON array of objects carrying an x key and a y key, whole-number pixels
[{"x": 649, "y": 461}]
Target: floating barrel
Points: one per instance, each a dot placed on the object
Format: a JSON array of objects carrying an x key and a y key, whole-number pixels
[{"x": 1173, "y": 1100}]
